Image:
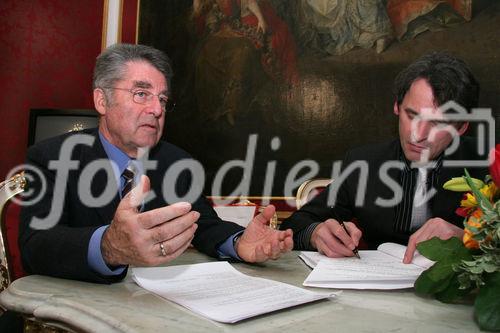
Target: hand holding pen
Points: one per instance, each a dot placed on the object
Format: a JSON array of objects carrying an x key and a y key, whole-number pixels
[
  {"x": 336, "y": 238},
  {"x": 355, "y": 250}
]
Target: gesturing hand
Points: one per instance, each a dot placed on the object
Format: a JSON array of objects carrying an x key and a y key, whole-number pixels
[
  {"x": 259, "y": 242},
  {"x": 435, "y": 227},
  {"x": 332, "y": 240},
  {"x": 149, "y": 238}
]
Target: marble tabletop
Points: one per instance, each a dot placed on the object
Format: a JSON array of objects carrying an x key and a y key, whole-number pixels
[{"x": 125, "y": 307}]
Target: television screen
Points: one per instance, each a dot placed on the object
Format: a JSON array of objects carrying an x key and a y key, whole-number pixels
[{"x": 46, "y": 123}]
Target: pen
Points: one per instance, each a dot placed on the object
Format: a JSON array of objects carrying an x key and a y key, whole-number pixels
[
  {"x": 335, "y": 216},
  {"x": 355, "y": 250}
]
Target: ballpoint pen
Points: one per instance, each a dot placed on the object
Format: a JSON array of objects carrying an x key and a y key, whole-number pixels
[
  {"x": 341, "y": 222},
  {"x": 355, "y": 250}
]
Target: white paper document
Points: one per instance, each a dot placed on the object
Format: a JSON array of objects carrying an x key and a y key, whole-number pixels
[
  {"x": 380, "y": 269},
  {"x": 218, "y": 291},
  {"x": 241, "y": 215},
  {"x": 311, "y": 258}
]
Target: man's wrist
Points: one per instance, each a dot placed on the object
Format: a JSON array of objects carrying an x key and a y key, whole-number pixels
[
  {"x": 95, "y": 256},
  {"x": 236, "y": 241},
  {"x": 106, "y": 251},
  {"x": 308, "y": 234},
  {"x": 227, "y": 249}
]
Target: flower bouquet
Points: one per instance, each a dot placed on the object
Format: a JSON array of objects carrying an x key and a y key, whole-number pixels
[{"x": 470, "y": 268}]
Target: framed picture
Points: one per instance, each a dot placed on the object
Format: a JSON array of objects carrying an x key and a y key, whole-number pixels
[{"x": 46, "y": 123}]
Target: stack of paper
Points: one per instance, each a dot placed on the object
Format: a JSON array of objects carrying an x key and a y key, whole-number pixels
[
  {"x": 218, "y": 291},
  {"x": 380, "y": 269}
]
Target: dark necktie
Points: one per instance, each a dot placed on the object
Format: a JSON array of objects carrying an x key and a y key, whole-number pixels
[{"x": 128, "y": 175}]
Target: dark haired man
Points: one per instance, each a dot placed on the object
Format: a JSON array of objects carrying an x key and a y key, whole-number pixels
[
  {"x": 70, "y": 234},
  {"x": 423, "y": 209}
]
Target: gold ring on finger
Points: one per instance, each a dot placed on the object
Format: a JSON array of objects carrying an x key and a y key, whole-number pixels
[{"x": 162, "y": 249}]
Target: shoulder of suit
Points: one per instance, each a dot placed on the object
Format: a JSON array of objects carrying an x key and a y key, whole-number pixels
[
  {"x": 167, "y": 149},
  {"x": 53, "y": 145}
]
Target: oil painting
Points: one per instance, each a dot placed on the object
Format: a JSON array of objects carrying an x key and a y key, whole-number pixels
[{"x": 282, "y": 88}]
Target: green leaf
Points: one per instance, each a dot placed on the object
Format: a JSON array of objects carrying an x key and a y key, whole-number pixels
[
  {"x": 481, "y": 199},
  {"x": 487, "y": 305},
  {"x": 490, "y": 268},
  {"x": 435, "y": 279},
  {"x": 469, "y": 263},
  {"x": 450, "y": 250},
  {"x": 441, "y": 280},
  {"x": 452, "y": 292}
]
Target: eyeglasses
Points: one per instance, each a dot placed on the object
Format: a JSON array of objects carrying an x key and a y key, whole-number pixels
[{"x": 141, "y": 96}]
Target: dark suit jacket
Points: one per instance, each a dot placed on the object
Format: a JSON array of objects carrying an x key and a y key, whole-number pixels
[
  {"x": 377, "y": 223},
  {"x": 61, "y": 251}
]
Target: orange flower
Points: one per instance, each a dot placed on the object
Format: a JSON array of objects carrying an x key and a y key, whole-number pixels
[
  {"x": 470, "y": 242},
  {"x": 473, "y": 221},
  {"x": 469, "y": 200},
  {"x": 490, "y": 190}
]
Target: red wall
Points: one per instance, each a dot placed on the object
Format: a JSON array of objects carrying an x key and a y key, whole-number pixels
[
  {"x": 47, "y": 53},
  {"x": 129, "y": 21}
]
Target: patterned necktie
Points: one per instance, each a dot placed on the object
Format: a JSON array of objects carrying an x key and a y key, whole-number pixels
[
  {"x": 128, "y": 174},
  {"x": 420, "y": 212}
]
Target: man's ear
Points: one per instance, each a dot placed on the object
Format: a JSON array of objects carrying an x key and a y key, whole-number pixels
[
  {"x": 396, "y": 108},
  {"x": 463, "y": 128},
  {"x": 100, "y": 102}
]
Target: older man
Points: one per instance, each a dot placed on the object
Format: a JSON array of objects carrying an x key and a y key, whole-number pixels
[
  {"x": 421, "y": 209},
  {"x": 69, "y": 233}
]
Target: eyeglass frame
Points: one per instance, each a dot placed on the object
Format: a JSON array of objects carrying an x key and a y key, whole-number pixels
[{"x": 168, "y": 107}]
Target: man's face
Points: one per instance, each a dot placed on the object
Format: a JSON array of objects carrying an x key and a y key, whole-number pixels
[
  {"x": 423, "y": 139},
  {"x": 125, "y": 123}
]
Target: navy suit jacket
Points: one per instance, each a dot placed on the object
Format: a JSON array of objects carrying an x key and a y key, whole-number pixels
[{"x": 61, "y": 251}]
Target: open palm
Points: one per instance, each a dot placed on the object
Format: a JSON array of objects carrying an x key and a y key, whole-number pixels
[{"x": 259, "y": 242}]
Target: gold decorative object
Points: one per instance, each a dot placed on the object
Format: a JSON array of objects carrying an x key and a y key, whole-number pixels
[{"x": 76, "y": 127}]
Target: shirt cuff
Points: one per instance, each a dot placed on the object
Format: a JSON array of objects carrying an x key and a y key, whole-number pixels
[
  {"x": 303, "y": 237},
  {"x": 94, "y": 255},
  {"x": 227, "y": 249}
]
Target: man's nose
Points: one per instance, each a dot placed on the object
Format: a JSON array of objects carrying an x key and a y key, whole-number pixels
[
  {"x": 155, "y": 107},
  {"x": 420, "y": 130}
]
